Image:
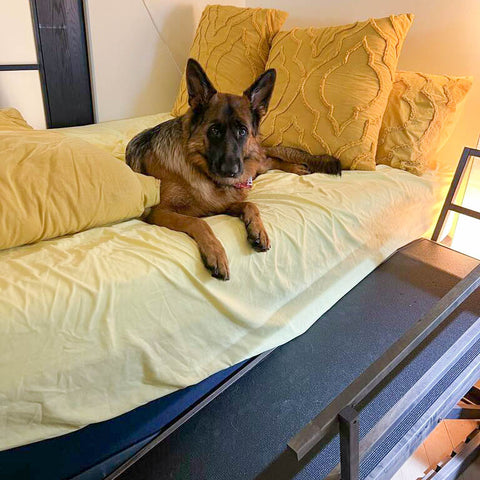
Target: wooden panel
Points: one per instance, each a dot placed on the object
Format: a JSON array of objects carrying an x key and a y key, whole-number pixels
[
  {"x": 438, "y": 445},
  {"x": 63, "y": 56},
  {"x": 458, "y": 430}
]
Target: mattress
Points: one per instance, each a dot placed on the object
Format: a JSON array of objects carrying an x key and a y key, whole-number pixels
[{"x": 95, "y": 324}]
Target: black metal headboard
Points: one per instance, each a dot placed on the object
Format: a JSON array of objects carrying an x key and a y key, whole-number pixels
[{"x": 60, "y": 38}]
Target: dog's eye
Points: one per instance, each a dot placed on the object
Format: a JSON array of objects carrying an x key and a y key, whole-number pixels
[
  {"x": 214, "y": 131},
  {"x": 242, "y": 131}
]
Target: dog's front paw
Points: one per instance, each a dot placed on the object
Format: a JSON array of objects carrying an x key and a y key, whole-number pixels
[
  {"x": 215, "y": 259},
  {"x": 258, "y": 238}
]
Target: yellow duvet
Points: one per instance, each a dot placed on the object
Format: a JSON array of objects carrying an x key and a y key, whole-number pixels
[{"x": 95, "y": 324}]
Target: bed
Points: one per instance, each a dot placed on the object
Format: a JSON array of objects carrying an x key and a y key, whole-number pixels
[{"x": 127, "y": 316}]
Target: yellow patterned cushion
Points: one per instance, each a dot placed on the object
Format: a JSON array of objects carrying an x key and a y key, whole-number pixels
[
  {"x": 332, "y": 87},
  {"x": 232, "y": 45},
  {"x": 420, "y": 116}
]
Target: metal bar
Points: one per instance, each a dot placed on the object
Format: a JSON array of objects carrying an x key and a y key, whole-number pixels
[
  {"x": 457, "y": 178},
  {"x": 474, "y": 152},
  {"x": 189, "y": 414},
  {"x": 457, "y": 464},
  {"x": 326, "y": 421},
  {"x": 464, "y": 411},
  {"x": 417, "y": 433},
  {"x": 465, "y": 211},
  {"x": 407, "y": 403},
  {"x": 349, "y": 444},
  {"x": 19, "y": 67}
]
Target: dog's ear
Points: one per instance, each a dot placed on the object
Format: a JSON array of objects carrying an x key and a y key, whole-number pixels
[
  {"x": 260, "y": 92},
  {"x": 200, "y": 89}
]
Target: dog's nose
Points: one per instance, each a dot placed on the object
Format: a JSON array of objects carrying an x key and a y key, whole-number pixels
[{"x": 230, "y": 170}]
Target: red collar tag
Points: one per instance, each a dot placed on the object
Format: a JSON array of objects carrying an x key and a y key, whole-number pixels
[{"x": 247, "y": 184}]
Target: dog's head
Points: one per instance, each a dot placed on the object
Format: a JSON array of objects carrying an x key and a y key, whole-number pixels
[{"x": 223, "y": 128}]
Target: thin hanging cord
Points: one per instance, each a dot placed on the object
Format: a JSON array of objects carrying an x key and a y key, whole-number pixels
[{"x": 161, "y": 37}]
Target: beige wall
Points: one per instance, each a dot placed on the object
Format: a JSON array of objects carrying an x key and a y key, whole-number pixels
[
  {"x": 138, "y": 49},
  {"x": 445, "y": 38},
  {"x": 17, "y": 45}
]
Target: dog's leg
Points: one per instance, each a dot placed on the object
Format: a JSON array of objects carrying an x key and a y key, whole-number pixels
[
  {"x": 314, "y": 163},
  {"x": 272, "y": 163},
  {"x": 248, "y": 212},
  {"x": 211, "y": 250}
]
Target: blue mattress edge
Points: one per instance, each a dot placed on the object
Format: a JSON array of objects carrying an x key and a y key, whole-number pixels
[{"x": 95, "y": 450}]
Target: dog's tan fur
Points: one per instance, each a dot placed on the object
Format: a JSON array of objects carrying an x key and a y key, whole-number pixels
[{"x": 176, "y": 153}]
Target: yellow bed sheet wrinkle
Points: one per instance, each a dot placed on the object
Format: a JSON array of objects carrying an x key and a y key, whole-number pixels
[{"x": 127, "y": 313}]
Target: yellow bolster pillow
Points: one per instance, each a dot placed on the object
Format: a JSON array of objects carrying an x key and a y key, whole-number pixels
[{"x": 52, "y": 185}]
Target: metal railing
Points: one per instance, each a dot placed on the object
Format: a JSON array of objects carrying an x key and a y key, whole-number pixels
[{"x": 341, "y": 414}]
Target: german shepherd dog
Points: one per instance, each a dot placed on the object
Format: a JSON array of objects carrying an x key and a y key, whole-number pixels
[{"x": 206, "y": 161}]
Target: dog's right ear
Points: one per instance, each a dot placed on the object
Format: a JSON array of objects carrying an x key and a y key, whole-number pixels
[{"x": 200, "y": 89}]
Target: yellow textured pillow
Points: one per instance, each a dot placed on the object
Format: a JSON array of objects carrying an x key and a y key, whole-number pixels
[
  {"x": 332, "y": 88},
  {"x": 420, "y": 116},
  {"x": 232, "y": 45},
  {"x": 52, "y": 185},
  {"x": 11, "y": 119}
]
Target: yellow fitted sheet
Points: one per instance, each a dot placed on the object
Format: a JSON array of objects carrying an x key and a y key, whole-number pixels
[{"x": 95, "y": 324}]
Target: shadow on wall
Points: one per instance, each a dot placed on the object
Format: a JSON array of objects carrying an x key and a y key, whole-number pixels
[
  {"x": 177, "y": 29},
  {"x": 175, "y": 32},
  {"x": 137, "y": 49}
]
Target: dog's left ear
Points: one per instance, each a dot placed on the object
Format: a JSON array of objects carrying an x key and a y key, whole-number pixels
[{"x": 260, "y": 92}]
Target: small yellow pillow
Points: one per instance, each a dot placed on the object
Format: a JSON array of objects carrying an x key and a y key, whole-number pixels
[
  {"x": 420, "y": 116},
  {"x": 11, "y": 119},
  {"x": 332, "y": 88},
  {"x": 232, "y": 45},
  {"x": 52, "y": 185}
]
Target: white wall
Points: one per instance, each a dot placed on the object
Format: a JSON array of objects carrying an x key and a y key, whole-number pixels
[
  {"x": 19, "y": 89},
  {"x": 444, "y": 38},
  {"x": 138, "y": 49}
]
